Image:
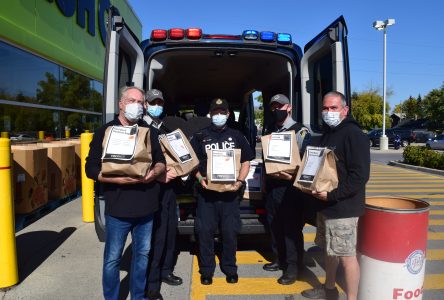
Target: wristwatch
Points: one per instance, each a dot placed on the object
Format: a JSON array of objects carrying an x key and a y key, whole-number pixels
[{"x": 241, "y": 181}]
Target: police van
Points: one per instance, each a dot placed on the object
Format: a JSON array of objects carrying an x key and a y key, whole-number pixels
[{"x": 192, "y": 67}]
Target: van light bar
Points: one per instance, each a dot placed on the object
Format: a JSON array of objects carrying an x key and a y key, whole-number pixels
[
  {"x": 250, "y": 34},
  {"x": 284, "y": 38},
  {"x": 194, "y": 33},
  {"x": 176, "y": 33},
  {"x": 267, "y": 36},
  {"x": 158, "y": 34}
]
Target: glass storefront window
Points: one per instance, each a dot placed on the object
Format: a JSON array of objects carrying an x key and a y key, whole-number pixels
[{"x": 41, "y": 84}]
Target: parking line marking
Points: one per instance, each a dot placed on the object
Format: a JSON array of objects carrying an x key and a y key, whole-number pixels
[
  {"x": 435, "y": 235},
  {"x": 436, "y": 222},
  {"x": 434, "y": 282},
  {"x": 437, "y": 212},
  {"x": 435, "y": 254},
  {"x": 388, "y": 190}
]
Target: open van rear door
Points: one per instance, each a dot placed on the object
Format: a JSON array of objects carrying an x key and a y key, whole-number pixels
[
  {"x": 124, "y": 66},
  {"x": 124, "y": 63},
  {"x": 324, "y": 68}
]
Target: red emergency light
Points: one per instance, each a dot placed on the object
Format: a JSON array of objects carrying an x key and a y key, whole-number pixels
[
  {"x": 194, "y": 33},
  {"x": 176, "y": 33},
  {"x": 158, "y": 34}
]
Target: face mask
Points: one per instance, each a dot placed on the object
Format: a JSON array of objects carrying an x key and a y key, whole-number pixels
[
  {"x": 155, "y": 110},
  {"x": 133, "y": 111},
  {"x": 280, "y": 115},
  {"x": 219, "y": 120},
  {"x": 331, "y": 118}
]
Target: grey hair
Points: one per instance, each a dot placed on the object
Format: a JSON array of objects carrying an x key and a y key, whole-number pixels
[
  {"x": 337, "y": 94},
  {"x": 125, "y": 89}
]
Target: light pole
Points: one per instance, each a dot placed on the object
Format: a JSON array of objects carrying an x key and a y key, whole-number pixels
[{"x": 382, "y": 25}]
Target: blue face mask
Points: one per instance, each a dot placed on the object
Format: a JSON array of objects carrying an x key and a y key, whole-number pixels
[
  {"x": 219, "y": 120},
  {"x": 155, "y": 110}
]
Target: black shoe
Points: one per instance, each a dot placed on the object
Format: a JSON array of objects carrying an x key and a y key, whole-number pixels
[
  {"x": 272, "y": 267},
  {"x": 321, "y": 293},
  {"x": 172, "y": 279},
  {"x": 153, "y": 295},
  {"x": 206, "y": 280},
  {"x": 232, "y": 278},
  {"x": 288, "y": 278}
]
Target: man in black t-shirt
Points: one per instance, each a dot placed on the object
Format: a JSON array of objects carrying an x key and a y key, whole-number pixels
[
  {"x": 219, "y": 210},
  {"x": 129, "y": 202}
]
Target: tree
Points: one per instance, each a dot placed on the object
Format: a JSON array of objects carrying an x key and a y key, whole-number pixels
[
  {"x": 367, "y": 109},
  {"x": 259, "y": 111},
  {"x": 411, "y": 108},
  {"x": 433, "y": 105}
]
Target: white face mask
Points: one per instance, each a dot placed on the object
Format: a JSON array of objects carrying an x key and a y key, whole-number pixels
[
  {"x": 219, "y": 120},
  {"x": 331, "y": 118},
  {"x": 133, "y": 111}
]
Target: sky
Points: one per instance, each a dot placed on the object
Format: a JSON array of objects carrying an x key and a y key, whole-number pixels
[{"x": 415, "y": 44}]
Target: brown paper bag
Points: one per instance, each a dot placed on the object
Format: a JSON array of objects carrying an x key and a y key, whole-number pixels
[
  {"x": 326, "y": 178},
  {"x": 222, "y": 186},
  {"x": 179, "y": 166},
  {"x": 275, "y": 166},
  {"x": 138, "y": 166}
]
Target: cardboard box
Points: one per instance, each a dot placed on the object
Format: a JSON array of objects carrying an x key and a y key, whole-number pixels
[
  {"x": 77, "y": 160},
  {"x": 61, "y": 170},
  {"x": 30, "y": 175}
]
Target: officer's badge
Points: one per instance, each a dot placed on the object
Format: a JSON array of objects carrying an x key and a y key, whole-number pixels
[
  {"x": 218, "y": 101},
  {"x": 230, "y": 139}
]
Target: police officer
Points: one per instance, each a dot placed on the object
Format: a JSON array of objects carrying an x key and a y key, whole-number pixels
[
  {"x": 284, "y": 202},
  {"x": 162, "y": 254},
  {"x": 216, "y": 210}
]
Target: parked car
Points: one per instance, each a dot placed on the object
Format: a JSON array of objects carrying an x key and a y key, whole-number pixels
[
  {"x": 437, "y": 143},
  {"x": 22, "y": 137},
  {"x": 422, "y": 136},
  {"x": 373, "y": 137}
]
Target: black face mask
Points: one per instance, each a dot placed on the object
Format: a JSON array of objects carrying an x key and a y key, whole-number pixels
[{"x": 280, "y": 115}]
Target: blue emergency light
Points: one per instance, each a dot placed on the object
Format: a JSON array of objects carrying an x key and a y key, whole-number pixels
[
  {"x": 250, "y": 34},
  {"x": 267, "y": 36},
  {"x": 284, "y": 38}
]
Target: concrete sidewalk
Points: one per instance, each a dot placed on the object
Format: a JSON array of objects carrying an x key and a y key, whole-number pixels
[{"x": 60, "y": 257}]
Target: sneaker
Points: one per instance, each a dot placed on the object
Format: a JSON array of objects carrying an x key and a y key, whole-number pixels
[{"x": 321, "y": 293}]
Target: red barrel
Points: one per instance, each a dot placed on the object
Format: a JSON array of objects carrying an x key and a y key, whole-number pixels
[{"x": 392, "y": 242}]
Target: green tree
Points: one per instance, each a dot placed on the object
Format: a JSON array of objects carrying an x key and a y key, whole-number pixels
[
  {"x": 433, "y": 104},
  {"x": 367, "y": 109},
  {"x": 411, "y": 108},
  {"x": 259, "y": 111}
]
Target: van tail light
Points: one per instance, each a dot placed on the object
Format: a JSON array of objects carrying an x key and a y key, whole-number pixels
[
  {"x": 261, "y": 211},
  {"x": 177, "y": 33},
  {"x": 194, "y": 33},
  {"x": 158, "y": 34}
]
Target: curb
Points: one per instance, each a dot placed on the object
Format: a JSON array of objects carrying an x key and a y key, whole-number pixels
[{"x": 416, "y": 168}]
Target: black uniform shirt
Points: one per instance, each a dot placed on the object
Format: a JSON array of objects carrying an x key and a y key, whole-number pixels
[
  {"x": 125, "y": 200},
  {"x": 215, "y": 138}
]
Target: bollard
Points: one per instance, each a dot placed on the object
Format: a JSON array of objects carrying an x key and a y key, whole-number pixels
[
  {"x": 5, "y": 134},
  {"x": 67, "y": 133},
  {"x": 8, "y": 253},
  {"x": 41, "y": 135},
  {"x": 392, "y": 240},
  {"x": 87, "y": 184}
]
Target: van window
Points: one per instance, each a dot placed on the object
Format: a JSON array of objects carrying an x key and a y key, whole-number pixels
[{"x": 323, "y": 77}]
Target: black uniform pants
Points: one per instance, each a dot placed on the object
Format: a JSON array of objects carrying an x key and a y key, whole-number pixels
[
  {"x": 214, "y": 214},
  {"x": 162, "y": 253},
  {"x": 286, "y": 220}
]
